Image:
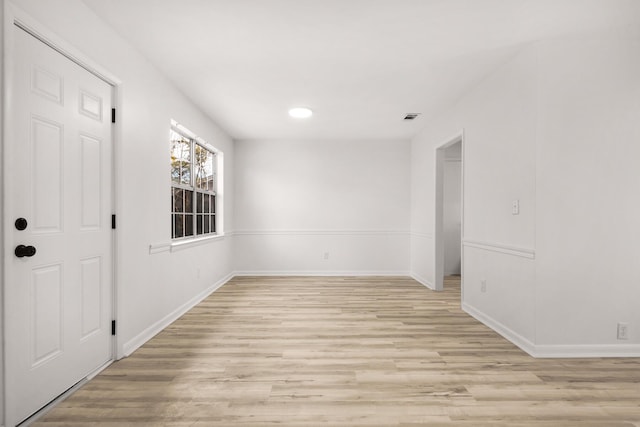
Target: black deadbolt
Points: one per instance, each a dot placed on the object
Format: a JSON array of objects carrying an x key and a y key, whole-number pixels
[
  {"x": 25, "y": 251},
  {"x": 21, "y": 224}
]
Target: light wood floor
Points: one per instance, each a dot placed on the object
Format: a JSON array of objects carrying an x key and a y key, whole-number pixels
[{"x": 346, "y": 352}]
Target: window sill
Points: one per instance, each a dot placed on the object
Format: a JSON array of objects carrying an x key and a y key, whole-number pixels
[{"x": 183, "y": 244}]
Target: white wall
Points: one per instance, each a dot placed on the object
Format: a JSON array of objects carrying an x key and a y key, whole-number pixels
[
  {"x": 498, "y": 118},
  {"x": 151, "y": 287},
  {"x": 555, "y": 128},
  {"x": 588, "y": 181},
  {"x": 297, "y": 200}
]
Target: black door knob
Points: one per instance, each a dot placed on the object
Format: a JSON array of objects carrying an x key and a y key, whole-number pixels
[
  {"x": 25, "y": 251},
  {"x": 21, "y": 224}
]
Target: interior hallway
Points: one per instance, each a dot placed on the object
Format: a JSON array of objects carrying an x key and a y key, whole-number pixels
[{"x": 346, "y": 351}]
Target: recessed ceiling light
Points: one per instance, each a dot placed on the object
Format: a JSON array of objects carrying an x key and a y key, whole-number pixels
[{"x": 300, "y": 112}]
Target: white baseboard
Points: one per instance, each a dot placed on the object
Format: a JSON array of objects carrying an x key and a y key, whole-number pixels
[
  {"x": 144, "y": 336},
  {"x": 587, "y": 350},
  {"x": 422, "y": 281},
  {"x": 365, "y": 273},
  {"x": 558, "y": 350},
  {"x": 517, "y": 339}
]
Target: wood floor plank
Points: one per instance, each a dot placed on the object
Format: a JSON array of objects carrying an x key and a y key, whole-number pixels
[{"x": 346, "y": 351}]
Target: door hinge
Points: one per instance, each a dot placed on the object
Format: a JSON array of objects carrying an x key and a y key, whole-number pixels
[
  {"x": 113, "y": 115},
  {"x": 113, "y": 221},
  {"x": 113, "y": 327}
]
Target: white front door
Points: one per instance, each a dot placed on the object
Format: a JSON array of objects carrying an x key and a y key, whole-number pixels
[{"x": 58, "y": 244}]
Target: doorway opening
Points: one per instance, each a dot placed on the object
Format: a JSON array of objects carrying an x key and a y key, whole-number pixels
[{"x": 449, "y": 212}]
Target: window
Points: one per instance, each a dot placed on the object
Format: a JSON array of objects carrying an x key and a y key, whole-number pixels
[{"x": 194, "y": 165}]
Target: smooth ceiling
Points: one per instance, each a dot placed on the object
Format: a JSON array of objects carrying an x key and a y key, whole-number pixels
[{"x": 359, "y": 64}]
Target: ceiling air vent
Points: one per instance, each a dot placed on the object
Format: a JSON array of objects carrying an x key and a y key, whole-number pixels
[{"x": 411, "y": 116}]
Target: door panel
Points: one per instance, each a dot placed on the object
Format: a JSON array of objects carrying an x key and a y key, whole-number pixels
[
  {"x": 46, "y": 313},
  {"x": 47, "y": 139},
  {"x": 47, "y": 84},
  {"x": 90, "y": 180},
  {"x": 58, "y": 302},
  {"x": 92, "y": 287}
]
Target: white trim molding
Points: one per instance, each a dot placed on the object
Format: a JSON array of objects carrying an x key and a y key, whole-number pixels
[
  {"x": 179, "y": 245},
  {"x": 586, "y": 350},
  {"x": 22, "y": 20},
  {"x": 158, "y": 248},
  {"x": 500, "y": 248},
  {"x": 554, "y": 350},
  {"x": 297, "y": 273},
  {"x": 423, "y": 235},
  {"x": 136, "y": 342},
  {"x": 523, "y": 343},
  {"x": 424, "y": 282},
  {"x": 321, "y": 232}
]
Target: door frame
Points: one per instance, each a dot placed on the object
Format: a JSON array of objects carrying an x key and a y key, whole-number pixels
[
  {"x": 16, "y": 17},
  {"x": 439, "y": 210}
]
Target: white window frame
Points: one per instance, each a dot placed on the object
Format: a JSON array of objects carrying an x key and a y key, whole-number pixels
[{"x": 217, "y": 191}]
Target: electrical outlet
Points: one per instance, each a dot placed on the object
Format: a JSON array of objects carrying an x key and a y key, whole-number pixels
[
  {"x": 483, "y": 285},
  {"x": 623, "y": 331},
  {"x": 325, "y": 256},
  {"x": 515, "y": 207}
]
